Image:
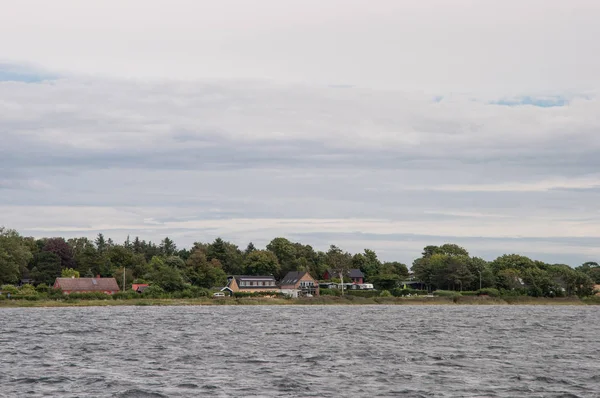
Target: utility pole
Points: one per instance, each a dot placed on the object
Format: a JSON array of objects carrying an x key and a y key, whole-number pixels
[
  {"x": 479, "y": 279},
  {"x": 123, "y": 279}
]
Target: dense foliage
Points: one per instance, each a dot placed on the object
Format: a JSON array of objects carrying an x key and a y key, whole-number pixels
[{"x": 189, "y": 272}]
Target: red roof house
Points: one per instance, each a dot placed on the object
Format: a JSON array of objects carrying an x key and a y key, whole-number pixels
[{"x": 86, "y": 285}]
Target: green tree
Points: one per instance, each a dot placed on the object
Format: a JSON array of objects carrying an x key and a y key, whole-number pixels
[
  {"x": 203, "y": 273},
  {"x": 249, "y": 249},
  {"x": 15, "y": 254},
  {"x": 262, "y": 262},
  {"x": 69, "y": 272},
  {"x": 167, "y": 247},
  {"x": 395, "y": 268},
  {"x": 228, "y": 254},
  {"x": 511, "y": 261},
  {"x": 175, "y": 262},
  {"x": 285, "y": 251},
  {"x": 168, "y": 278},
  {"x": 338, "y": 261},
  {"x": 386, "y": 281},
  {"x": 118, "y": 275},
  {"x": 46, "y": 267},
  {"x": 101, "y": 244}
]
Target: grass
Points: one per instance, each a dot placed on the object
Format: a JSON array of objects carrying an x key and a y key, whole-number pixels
[{"x": 322, "y": 300}]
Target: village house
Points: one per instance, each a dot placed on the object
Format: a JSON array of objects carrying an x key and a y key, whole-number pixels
[
  {"x": 87, "y": 285},
  {"x": 355, "y": 275},
  {"x": 299, "y": 284},
  {"x": 250, "y": 284}
]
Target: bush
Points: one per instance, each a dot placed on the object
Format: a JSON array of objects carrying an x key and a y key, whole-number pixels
[
  {"x": 330, "y": 292},
  {"x": 490, "y": 291},
  {"x": 385, "y": 293},
  {"x": 55, "y": 294},
  {"x": 9, "y": 289},
  {"x": 42, "y": 288},
  {"x": 27, "y": 290},
  {"x": 362, "y": 293},
  {"x": 87, "y": 296},
  {"x": 154, "y": 291},
  {"x": 128, "y": 295},
  {"x": 446, "y": 293}
]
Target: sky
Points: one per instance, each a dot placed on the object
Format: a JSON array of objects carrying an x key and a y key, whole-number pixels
[{"x": 388, "y": 125}]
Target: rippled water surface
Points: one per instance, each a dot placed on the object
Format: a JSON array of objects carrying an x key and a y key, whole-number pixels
[{"x": 300, "y": 351}]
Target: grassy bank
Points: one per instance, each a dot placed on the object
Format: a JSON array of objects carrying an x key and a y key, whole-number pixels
[{"x": 323, "y": 300}]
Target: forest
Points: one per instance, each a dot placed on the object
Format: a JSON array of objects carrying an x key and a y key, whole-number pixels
[{"x": 206, "y": 265}]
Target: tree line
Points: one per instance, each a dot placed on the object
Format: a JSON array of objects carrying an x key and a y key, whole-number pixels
[{"x": 206, "y": 265}]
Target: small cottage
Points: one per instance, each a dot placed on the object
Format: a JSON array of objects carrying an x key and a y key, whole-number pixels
[{"x": 87, "y": 285}]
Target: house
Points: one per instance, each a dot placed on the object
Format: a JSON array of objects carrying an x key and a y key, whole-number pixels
[
  {"x": 139, "y": 287},
  {"x": 355, "y": 275},
  {"x": 250, "y": 284},
  {"x": 299, "y": 283},
  {"x": 87, "y": 285}
]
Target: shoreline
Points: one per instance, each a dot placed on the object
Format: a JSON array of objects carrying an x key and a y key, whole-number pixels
[{"x": 327, "y": 300}]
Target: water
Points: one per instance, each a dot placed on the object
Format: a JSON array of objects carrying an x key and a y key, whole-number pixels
[{"x": 300, "y": 351}]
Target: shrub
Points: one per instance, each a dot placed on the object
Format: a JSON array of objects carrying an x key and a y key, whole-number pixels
[
  {"x": 362, "y": 293},
  {"x": 330, "y": 292},
  {"x": 154, "y": 291},
  {"x": 42, "y": 288},
  {"x": 27, "y": 290},
  {"x": 446, "y": 293},
  {"x": 55, "y": 294},
  {"x": 490, "y": 291},
  {"x": 9, "y": 289},
  {"x": 128, "y": 295},
  {"x": 385, "y": 293},
  {"x": 87, "y": 296}
]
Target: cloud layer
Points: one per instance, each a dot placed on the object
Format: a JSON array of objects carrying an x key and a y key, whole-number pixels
[{"x": 251, "y": 160}]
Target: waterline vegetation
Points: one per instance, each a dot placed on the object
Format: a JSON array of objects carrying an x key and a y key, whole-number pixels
[{"x": 188, "y": 276}]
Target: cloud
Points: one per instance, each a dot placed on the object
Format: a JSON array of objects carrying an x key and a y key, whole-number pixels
[
  {"x": 507, "y": 48},
  {"x": 252, "y": 159}
]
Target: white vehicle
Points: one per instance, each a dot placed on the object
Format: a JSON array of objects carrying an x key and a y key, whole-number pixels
[{"x": 219, "y": 294}]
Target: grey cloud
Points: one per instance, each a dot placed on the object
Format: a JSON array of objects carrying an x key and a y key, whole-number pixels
[{"x": 230, "y": 151}]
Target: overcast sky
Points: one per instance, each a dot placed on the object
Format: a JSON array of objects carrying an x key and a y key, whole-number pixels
[{"x": 382, "y": 124}]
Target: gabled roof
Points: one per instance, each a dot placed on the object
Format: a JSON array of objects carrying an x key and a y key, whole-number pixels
[
  {"x": 356, "y": 273},
  {"x": 292, "y": 277},
  {"x": 352, "y": 273},
  {"x": 88, "y": 284}
]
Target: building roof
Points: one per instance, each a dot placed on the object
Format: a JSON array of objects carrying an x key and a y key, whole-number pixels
[
  {"x": 352, "y": 273},
  {"x": 136, "y": 286},
  {"x": 254, "y": 277},
  {"x": 356, "y": 273},
  {"x": 292, "y": 277},
  {"x": 88, "y": 284}
]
